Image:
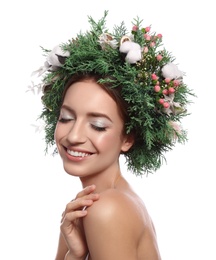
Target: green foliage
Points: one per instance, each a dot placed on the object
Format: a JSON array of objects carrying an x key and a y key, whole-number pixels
[{"x": 154, "y": 135}]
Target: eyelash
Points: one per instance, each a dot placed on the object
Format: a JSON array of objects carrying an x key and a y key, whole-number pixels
[
  {"x": 97, "y": 128},
  {"x": 63, "y": 120}
]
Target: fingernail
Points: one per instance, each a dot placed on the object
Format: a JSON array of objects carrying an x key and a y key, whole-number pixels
[{"x": 84, "y": 212}]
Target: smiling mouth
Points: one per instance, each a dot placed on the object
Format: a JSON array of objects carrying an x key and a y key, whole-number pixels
[{"x": 78, "y": 154}]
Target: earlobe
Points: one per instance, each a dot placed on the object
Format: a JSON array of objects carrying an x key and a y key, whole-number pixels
[{"x": 127, "y": 143}]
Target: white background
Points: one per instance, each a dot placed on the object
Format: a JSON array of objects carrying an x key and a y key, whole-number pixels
[{"x": 34, "y": 188}]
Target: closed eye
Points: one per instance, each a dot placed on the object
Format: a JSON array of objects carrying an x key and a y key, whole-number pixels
[
  {"x": 64, "y": 120},
  {"x": 98, "y": 128}
]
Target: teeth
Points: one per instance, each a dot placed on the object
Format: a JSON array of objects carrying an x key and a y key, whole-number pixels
[{"x": 77, "y": 154}]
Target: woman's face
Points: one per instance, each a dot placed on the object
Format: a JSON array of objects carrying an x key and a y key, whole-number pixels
[{"x": 89, "y": 131}]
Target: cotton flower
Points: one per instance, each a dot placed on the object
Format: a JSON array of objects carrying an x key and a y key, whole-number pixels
[
  {"x": 107, "y": 39},
  {"x": 133, "y": 51},
  {"x": 170, "y": 70},
  {"x": 55, "y": 59}
]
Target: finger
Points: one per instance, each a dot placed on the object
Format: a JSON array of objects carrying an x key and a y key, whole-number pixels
[
  {"x": 77, "y": 205},
  {"x": 71, "y": 216},
  {"x": 87, "y": 190}
]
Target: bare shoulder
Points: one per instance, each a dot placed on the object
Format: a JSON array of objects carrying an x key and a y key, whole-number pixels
[
  {"x": 115, "y": 205},
  {"x": 118, "y": 226}
]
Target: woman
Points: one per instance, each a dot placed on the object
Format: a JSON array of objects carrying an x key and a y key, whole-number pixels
[
  {"x": 90, "y": 141},
  {"x": 105, "y": 95}
]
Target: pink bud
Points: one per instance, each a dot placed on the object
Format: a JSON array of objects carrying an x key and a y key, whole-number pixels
[
  {"x": 134, "y": 28},
  {"x": 166, "y": 105},
  {"x": 176, "y": 82},
  {"x": 167, "y": 80},
  {"x": 159, "y": 35},
  {"x": 147, "y": 37},
  {"x": 161, "y": 101},
  {"x": 152, "y": 44},
  {"x": 165, "y": 92},
  {"x": 147, "y": 29},
  {"x": 157, "y": 88},
  {"x": 154, "y": 76},
  {"x": 159, "y": 57},
  {"x": 145, "y": 49},
  {"x": 171, "y": 90}
]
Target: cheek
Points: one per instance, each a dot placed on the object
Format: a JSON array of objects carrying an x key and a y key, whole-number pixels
[
  {"x": 59, "y": 132},
  {"x": 107, "y": 140}
]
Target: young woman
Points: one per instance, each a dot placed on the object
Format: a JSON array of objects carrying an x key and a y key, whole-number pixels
[
  {"x": 90, "y": 136},
  {"x": 105, "y": 95}
]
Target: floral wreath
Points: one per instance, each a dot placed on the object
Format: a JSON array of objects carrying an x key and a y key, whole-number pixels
[{"x": 152, "y": 85}]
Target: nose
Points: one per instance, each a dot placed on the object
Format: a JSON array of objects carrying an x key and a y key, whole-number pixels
[{"x": 77, "y": 132}]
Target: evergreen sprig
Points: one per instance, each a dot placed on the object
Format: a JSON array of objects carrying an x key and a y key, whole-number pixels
[{"x": 151, "y": 123}]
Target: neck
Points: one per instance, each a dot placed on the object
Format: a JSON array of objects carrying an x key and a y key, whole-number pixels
[{"x": 103, "y": 181}]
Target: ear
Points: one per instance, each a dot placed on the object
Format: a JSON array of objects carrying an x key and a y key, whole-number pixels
[{"x": 128, "y": 141}]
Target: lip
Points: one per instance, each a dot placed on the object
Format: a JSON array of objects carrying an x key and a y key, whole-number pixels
[{"x": 77, "y": 158}]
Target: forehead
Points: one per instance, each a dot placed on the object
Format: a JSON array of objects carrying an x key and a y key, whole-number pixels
[{"x": 88, "y": 96}]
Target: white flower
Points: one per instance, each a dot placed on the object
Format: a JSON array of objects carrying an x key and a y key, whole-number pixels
[
  {"x": 170, "y": 70},
  {"x": 55, "y": 56},
  {"x": 107, "y": 39},
  {"x": 174, "y": 108},
  {"x": 55, "y": 59},
  {"x": 133, "y": 56},
  {"x": 133, "y": 50},
  {"x": 126, "y": 46}
]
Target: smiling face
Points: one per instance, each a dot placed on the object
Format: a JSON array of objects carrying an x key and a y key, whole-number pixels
[{"x": 89, "y": 131}]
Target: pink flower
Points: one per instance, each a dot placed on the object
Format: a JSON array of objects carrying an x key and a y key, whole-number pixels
[
  {"x": 159, "y": 57},
  {"x": 157, "y": 88},
  {"x": 171, "y": 90},
  {"x": 134, "y": 28},
  {"x": 165, "y": 92},
  {"x": 159, "y": 36},
  {"x": 152, "y": 44},
  {"x": 167, "y": 80},
  {"x": 148, "y": 28},
  {"x": 176, "y": 82},
  {"x": 145, "y": 49},
  {"x": 166, "y": 105},
  {"x": 161, "y": 101},
  {"x": 154, "y": 76},
  {"x": 147, "y": 37}
]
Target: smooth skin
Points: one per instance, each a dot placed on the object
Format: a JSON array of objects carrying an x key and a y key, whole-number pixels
[{"x": 107, "y": 220}]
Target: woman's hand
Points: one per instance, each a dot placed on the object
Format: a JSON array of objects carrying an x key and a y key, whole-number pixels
[{"x": 71, "y": 224}]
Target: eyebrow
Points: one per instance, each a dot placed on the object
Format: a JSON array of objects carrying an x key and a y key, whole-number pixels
[{"x": 92, "y": 114}]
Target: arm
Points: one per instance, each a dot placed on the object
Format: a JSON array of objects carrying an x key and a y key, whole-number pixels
[{"x": 62, "y": 248}]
